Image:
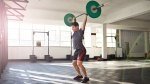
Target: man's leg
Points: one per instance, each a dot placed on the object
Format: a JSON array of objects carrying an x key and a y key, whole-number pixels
[
  {"x": 80, "y": 65},
  {"x": 74, "y": 63},
  {"x": 82, "y": 68}
]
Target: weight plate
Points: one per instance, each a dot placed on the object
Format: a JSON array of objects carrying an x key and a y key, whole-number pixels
[
  {"x": 93, "y": 9},
  {"x": 68, "y": 19}
]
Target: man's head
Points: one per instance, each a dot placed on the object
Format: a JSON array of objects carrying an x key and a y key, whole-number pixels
[{"x": 75, "y": 26}]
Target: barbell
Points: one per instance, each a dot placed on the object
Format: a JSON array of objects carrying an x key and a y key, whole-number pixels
[{"x": 93, "y": 10}]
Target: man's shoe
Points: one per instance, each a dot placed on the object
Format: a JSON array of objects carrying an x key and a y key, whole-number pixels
[
  {"x": 85, "y": 80},
  {"x": 78, "y": 77}
]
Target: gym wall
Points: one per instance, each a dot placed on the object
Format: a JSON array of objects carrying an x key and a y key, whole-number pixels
[
  {"x": 136, "y": 42},
  {"x": 56, "y": 52}
]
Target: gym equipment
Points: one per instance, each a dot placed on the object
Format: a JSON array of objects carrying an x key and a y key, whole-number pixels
[
  {"x": 68, "y": 19},
  {"x": 38, "y": 43},
  {"x": 69, "y": 57},
  {"x": 93, "y": 9},
  {"x": 48, "y": 58},
  {"x": 33, "y": 57}
]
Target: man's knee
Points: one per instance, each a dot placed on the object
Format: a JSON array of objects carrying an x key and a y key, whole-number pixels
[
  {"x": 74, "y": 63},
  {"x": 79, "y": 64}
]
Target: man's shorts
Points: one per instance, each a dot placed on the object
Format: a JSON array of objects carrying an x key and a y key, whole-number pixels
[{"x": 79, "y": 54}]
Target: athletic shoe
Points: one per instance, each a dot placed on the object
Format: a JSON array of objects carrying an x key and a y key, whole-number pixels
[
  {"x": 85, "y": 80},
  {"x": 78, "y": 77}
]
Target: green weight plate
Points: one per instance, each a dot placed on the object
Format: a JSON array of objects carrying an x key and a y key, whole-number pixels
[
  {"x": 68, "y": 19},
  {"x": 90, "y": 9}
]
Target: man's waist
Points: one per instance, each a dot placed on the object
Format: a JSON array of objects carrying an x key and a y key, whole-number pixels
[{"x": 79, "y": 48}]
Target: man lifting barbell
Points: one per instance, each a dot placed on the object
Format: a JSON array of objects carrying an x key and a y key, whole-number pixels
[
  {"x": 93, "y": 10},
  {"x": 80, "y": 50}
]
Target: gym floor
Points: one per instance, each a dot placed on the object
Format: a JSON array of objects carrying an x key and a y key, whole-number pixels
[{"x": 62, "y": 72}]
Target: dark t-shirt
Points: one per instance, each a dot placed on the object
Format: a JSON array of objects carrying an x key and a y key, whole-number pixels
[{"x": 77, "y": 39}]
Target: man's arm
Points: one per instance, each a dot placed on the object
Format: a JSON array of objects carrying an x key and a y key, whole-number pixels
[
  {"x": 74, "y": 19},
  {"x": 84, "y": 23}
]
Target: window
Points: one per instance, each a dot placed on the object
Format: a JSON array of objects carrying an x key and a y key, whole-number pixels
[
  {"x": 21, "y": 34},
  {"x": 25, "y": 34},
  {"x": 110, "y": 37},
  {"x": 65, "y": 36},
  {"x": 54, "y": 35},
  {"x": 99, "y": 37},
  {"x": 38, "y": 27},
  {"x": 87, "y": 37},
  {"x": 13, "y": 33}
]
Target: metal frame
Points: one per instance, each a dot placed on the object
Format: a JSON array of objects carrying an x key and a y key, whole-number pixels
[
  {"x": 19, "y": 16},
  {"x": 14, "y": 15},
  {"x": 26, "y": 1},
  {"x": 33, "y": 40}
]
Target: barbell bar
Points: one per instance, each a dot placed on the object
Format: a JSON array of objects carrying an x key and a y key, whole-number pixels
[{"x": 93, "y": 10}]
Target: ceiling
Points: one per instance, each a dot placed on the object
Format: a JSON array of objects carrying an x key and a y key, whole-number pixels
[
  {"x": 78, "y": 6},
  {"x": 144, "y": 17},
  {"x": 41, "y": 10}
]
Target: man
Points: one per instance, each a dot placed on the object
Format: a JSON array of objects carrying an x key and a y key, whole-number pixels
[{"x": 80, "y": 50}]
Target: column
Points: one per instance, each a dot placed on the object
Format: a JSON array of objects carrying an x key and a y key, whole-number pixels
[
  {"x": 146, "y": 39},
  {"x": 104, "y": 42}
]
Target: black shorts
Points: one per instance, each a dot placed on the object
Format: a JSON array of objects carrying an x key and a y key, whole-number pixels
[{"x": 79, "y": 54}]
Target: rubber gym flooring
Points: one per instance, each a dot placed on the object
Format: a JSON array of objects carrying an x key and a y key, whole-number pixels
[{"x": 62, "y": 72}]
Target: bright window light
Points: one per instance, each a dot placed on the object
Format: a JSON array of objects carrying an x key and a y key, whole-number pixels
[{"x": 20, "y": 34}]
